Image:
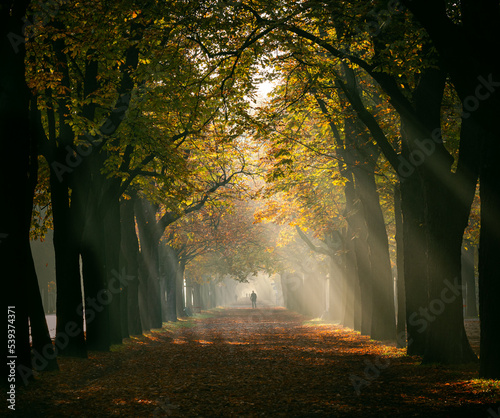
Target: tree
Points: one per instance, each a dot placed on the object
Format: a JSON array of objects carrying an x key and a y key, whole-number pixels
[
  {"x": 94, "y": 155},
  {"x": 345, "y": 141},
  {"x": 464, "y": 36},
  {"x": 18, "y": 178},
  {"x": 445, "y": 192},
  {"x": 223, "y": 244}
]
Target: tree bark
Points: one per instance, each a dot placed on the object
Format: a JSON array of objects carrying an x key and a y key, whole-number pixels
[
  {"x": 44, "y": 354},
  {"x": 97, "y": 296},
  {"x": 130, "y": 265},
  {"x": 171, "y": 280},
  {"x": 383, "y": 326},
  {"x": 489, "y": 248},
  {"x": 110, "y": 212},
  {"x": 400, "y": 282},
  {"x": 179, "y": 288},
  {"x": 69, "y": 298},
  {"x": 149, "y": 235},
  {"x": 469, "y": 280}
]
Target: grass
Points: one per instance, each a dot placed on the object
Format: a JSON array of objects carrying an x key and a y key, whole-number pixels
[
  {"x": 116, "y": 348},
  {"x": 486, "y": 386},
  {"x": 181, "y": 323},
  {"x": 318, "y": 321},
  {"x": 314, "y": 322}
]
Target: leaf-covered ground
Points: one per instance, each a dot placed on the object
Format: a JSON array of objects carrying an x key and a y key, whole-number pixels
[{"x": 262, "y": 362}]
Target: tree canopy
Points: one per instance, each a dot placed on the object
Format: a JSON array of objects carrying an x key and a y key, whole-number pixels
[{"x": 136, "y": 132}]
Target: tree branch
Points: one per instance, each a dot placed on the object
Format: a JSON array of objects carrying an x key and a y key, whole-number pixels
[{"x": 309, "y": 243}]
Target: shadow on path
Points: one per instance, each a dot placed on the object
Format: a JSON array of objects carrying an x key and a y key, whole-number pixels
[{"x": 254, "y": 362}]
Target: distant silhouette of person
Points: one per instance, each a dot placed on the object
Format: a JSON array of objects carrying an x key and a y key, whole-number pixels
[{"x": 253, "y": 298}]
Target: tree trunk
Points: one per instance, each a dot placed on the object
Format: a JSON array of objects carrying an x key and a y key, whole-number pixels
[
  {"x": 415, "y": 204},
  {"x": 383, "y": 325},
  {"x": 101, "y": 253},
  {"x": 365, "y": 284},
  {"x": 179, "y": 289},
  {"x": 284, "y": 289},
  {"x": 350, "y": 280},
  {"x": 362, "y": 155},
  {"x": 143, "y": 290},
  {"x": 171, "y": 272},
  {"x": 213, "y": 298},
  {"x": 16, "y": 187},
  {"x": 197, "y": 300},
  {"x": 69, "y": 298},
  {"x": 415, "y": 256},
  {"x": 189, "y": 294},
  {"x": 97, "y": 296},
  {"x": 150, "y": 236},
  {"x": 357, "y": 224},
  {"x": 400, "y": 281},
  {"x": 465, "y": 52},
  {"x": 446, "y": 338},
  {"x": 110, "y": 214},
  {"x": 469, "y": 280},
  {"x": 336, "y": 290},
  {"x": 203, "y": 295},
  {"x": 44, "y": 355},
  {"x": 448, "y": 197},
  {"x": 129, "y": 267},
  {"x": 358, "y": 263},
  {"x": 489, "y": 248}
]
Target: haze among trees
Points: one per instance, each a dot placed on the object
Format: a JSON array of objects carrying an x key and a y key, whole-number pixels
[{"x": 136, "y": 132}]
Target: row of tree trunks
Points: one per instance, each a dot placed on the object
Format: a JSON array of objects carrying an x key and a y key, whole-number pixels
[
  {"x": 86, "y": 215},
  {"x": 67, "y": 231},
  {"x": 383, "y": 324},
  {"x": 366, "y": 225},
  {"x": 424, "y": 169},
  {"x": 358, "y": 233}
]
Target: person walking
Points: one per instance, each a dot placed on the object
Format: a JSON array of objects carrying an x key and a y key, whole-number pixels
[{"x": 253, "y": 298}]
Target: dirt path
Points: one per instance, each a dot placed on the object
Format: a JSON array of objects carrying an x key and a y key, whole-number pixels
[{"x": 263, "y": 362}]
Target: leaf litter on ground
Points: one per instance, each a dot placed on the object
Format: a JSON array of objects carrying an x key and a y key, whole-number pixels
[{"x": 256, "y": 362}]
